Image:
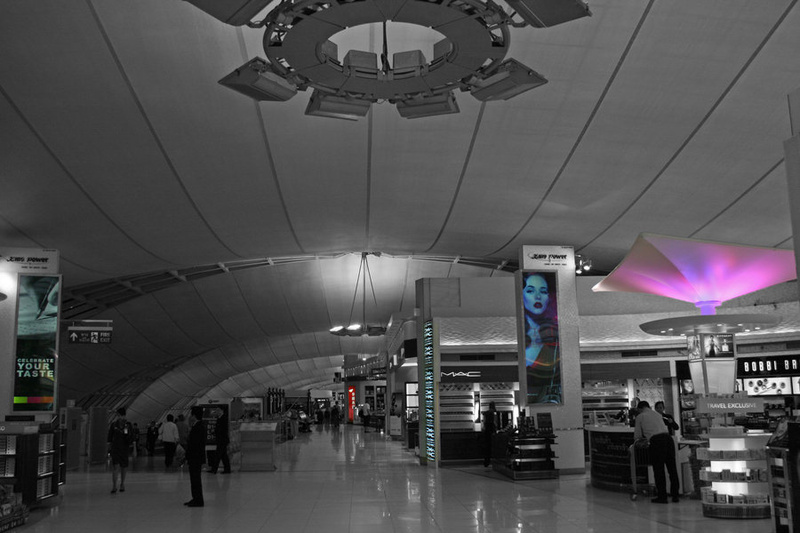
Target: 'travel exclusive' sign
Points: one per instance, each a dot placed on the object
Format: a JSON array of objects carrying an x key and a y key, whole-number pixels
[{"x": 730, "y": 405}]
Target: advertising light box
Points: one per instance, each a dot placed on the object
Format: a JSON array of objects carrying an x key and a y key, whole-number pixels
[
  {"x": 769, "y": 375},
  {"x": 37, "y": 343},
  {"x": 538, "y": 298}
]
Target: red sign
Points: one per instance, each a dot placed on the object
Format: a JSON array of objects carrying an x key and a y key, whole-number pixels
[{"x": 351, "y": 403}]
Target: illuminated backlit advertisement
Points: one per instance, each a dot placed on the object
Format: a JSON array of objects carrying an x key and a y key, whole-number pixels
[
  {"x": 211, "y": 415},
  {"x": 776, "y": 375},
  {"x": 540, "y": 337},
  {"x": 709, "y": 345},
  {"x": 351, "y": 403},
  {"x": 718, "y": 345},
  {"x": 37, "y": 343},
  {"x": 693, "y": 347},
  {"x": 428, "y": 388}
]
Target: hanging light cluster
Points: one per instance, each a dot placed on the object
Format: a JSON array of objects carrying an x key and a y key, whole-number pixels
[
  {"x": 471, "y": 57},
  {"x": 360, "y": 329}
]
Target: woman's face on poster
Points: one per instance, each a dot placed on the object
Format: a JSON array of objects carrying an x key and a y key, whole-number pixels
[{"x": 536, "y": 294}]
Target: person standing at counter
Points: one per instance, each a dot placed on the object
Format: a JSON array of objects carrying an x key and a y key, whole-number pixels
[
  {"x": 633, "y": 412},
  {"x": 650, "y": 425},
  {"x": 669, "y": 421}
]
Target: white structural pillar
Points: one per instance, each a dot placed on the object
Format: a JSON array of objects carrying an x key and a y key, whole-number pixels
[
  {"x": 33, "y": 263},
  {"x": 8, "y": 337},
  {"x": 557, "y": 262},
  {"x": 792, "y": 162}
]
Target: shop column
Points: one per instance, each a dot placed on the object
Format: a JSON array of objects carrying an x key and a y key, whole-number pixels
[
  {"x": 549, "y": 349},
  {"x": 792, "y": 162},
  {"x": 29, "y": 332}
]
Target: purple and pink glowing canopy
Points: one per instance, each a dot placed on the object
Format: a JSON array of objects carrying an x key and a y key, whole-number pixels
[{"x": 700, "y": 272}]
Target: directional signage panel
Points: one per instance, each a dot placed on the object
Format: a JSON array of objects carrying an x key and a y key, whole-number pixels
[{"x": 89, "y": 335}]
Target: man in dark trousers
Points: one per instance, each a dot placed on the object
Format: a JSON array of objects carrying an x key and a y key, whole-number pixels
[
  {"x": 221, "y": 434},
  {"x": 196, "y": 456},
  {"x": 650, "y": 425}
]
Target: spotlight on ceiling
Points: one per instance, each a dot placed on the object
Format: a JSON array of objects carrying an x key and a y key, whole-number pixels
[
  {"x": 255, "y": 80},
  {"x": 582, "y": 265},
  {"x": 332, "y": 106},
  {"x": 471, "y": 58},
  {"x": 428, "y": 106},
  {"x": 233, "y": 12},
  {"x": 546, "y": 13},
  {"x": 510, "y": 79}
]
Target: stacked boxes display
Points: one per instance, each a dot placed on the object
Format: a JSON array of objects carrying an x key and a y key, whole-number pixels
[{"x": 13, "y": 512}]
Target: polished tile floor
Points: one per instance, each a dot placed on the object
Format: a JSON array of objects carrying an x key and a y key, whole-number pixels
[{"x": 347, "y": 481}]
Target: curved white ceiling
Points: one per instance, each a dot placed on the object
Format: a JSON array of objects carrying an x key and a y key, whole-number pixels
[{"x": 119, "y": 148}]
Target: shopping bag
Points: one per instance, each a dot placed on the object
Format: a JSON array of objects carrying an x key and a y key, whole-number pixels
[{"x": 180, "y": 454}]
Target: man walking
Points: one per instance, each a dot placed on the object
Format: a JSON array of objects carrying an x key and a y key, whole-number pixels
[
  {"x": 367, "y": 415},
  {"x": 168, "y": 433}
]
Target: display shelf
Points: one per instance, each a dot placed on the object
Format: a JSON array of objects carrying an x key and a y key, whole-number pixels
[
  {"x": 610, "y": 460},
  {"x": 456, "y": 407},
  {"x": 502, "y": 394},
  {"x": 781, "y": 491},
  {"x": 736, "y": 474},
  {"x": 603, "y": 399},
  {"x": 29, "y": 462},
  {"x": 729, "y": 510},
  {"x": 13, "y": 512},
  {"x": 61, "y": 446},
  {"x": 10, "y": 522},
  {"x": 528, "y": 457},
  {"x": 257, "y": 442}
]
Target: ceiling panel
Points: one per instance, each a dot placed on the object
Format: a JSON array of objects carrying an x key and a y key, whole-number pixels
[{"x": 120, "y": 149}]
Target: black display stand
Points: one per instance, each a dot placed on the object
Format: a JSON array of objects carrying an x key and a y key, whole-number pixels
[
  {"x": 61, "y": 455},
  {"x": 31, "y": 462},
  {"x": 611, "y": 463},
  {"x": 527, "y": 456},
  {"x": 782, "y": 463}
]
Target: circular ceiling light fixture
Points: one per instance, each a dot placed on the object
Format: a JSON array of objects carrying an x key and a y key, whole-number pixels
[
  {"x": 470, "y": 57},
  {"x": 710, "y": 325}
]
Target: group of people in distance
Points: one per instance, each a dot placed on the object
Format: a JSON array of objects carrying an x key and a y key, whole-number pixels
[{"x": 121, "y": 438}]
